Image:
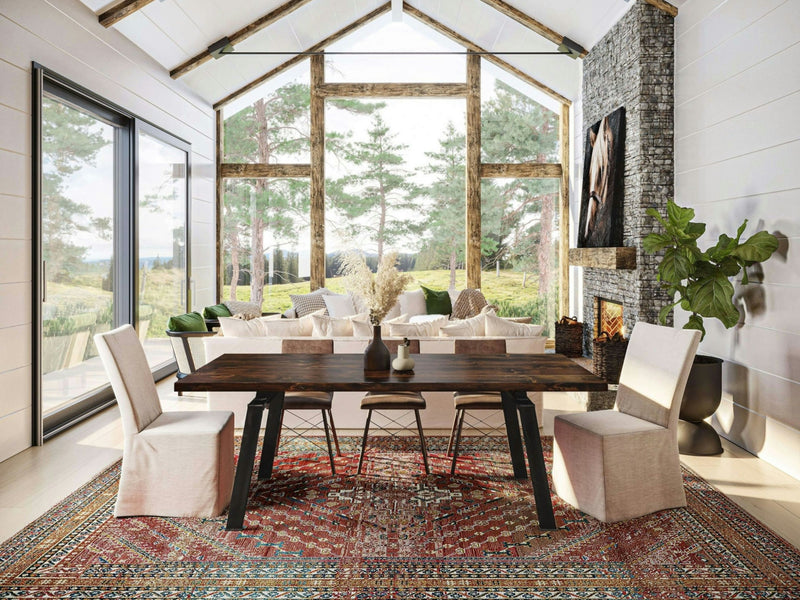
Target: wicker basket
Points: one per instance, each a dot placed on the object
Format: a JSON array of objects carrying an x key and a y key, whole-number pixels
[
  {"x": 569, "y": 337},
  {"x": 608, "y": 354}
]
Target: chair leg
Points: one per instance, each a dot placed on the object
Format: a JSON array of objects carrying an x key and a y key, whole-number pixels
[
  {"x": 453, "y": 431},
  {"x": 364, "y": 441},
  {"x": 458, "y": 442},
  {"x": 333, "y": 431},
  {"x": 422, "y": 442},
  {"x": 328, "y": 440}
]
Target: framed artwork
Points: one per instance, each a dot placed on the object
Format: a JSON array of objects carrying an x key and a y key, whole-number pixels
[{"x": 600, "y": 222}]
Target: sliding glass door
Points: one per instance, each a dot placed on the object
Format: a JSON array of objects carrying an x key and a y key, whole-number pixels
[
  {"x": 83, "y": 148},
  {"x": 110, "y": 244},
  {"x": 161, "y": 234}
]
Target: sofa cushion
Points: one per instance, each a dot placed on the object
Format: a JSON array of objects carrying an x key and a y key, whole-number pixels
[
  {"x": 302, "y": 327},
  {"x": 232, "y": 327},
  {"x": 497, "y": 326},
  {"x": 437, "y": 302},
  {"x": 413, "y": 303},
  {"x": 327, "y": 326},
  {"x": 216, "y": 311},
  {"x": 472, "y": 327},
  {"x": 425, "y": 329},
  {"x": 192, "y": 321}
]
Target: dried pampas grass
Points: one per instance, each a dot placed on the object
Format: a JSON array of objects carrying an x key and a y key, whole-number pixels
[{"x": 379, "y": 290}]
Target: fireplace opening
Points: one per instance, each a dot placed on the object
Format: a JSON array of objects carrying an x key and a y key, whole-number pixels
[{"x": 609, "y": 317}]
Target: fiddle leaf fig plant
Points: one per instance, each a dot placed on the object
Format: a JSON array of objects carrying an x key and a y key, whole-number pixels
[{"x": 699, "y": 281}]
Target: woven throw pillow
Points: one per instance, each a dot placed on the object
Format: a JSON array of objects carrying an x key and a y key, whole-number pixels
[
  {"x": 469, "y": 303},
  {"x": 251, "y": 309},
  {"x": 305, "y": 304},
  {"x": 499, "y": 327}
]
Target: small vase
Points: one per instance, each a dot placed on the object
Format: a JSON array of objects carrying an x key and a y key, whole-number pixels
[
  {"x": 403, "y": 362},
  {"x": 377, "y": 358}
]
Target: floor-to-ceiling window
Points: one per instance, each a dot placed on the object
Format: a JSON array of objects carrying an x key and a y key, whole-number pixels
[{"x": 109, "y": 243}]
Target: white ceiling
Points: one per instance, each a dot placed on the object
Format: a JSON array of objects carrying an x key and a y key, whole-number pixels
[{"x": 172, "y": 31}]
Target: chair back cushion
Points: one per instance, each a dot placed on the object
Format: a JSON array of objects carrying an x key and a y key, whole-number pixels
[
  {"x": 655, "y": 371},
  {"x": 131, "y": 379}
]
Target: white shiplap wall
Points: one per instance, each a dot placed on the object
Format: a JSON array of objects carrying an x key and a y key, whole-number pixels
[
  {"x": 64, "y": 36},
  {"x": 737, "y": 151}
]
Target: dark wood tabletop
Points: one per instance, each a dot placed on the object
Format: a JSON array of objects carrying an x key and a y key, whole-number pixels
[{"x": 432, "y": 372}]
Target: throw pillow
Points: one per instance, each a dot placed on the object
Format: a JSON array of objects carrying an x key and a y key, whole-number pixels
[
  {"x": 425, "y": 329},
  {"x": 192, "y": 321},
  {"x": 218, "y": 310},
  {"x": 339, "y": 305},
  {"x": 359, "y": 303},
  {"x": 413, "y": 303},
  {"x": 252, "y": 309},
  {"x": 305, "y": 304},
  {"x": 423, "y": 318},
  {"x": 233, "y": 327},
  {"x": 499, "y": 327},
  {"x": 362, "y": 329},
  {"x": 436, "y": 302},
  {"x": 302, "y": 327},
  {"x": 469, "y": 303}
]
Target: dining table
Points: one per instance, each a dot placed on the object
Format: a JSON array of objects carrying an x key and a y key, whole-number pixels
[{"x": 270, "y": 376}]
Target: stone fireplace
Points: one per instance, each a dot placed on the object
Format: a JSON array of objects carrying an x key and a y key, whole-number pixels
[{"x": 632, "y": 66}]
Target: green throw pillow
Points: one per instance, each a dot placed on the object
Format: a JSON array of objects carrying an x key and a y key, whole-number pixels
[
  {"x": 216, "y": 311},
  {"x": 192, "y": 321},
  {"x": 437, "y": 303}
]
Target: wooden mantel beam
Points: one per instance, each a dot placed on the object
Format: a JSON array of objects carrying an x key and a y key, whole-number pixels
[
  {"x": 383, "y": 8},
  {"x": 240, "y": 35},
  {"x": 119, "y": 11},
  {"x": 665, "y": 6},
  {"x": 529, "y": 22}
]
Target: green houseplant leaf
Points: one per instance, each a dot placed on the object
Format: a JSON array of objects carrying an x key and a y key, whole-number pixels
[{"x": 699, "y": 281}]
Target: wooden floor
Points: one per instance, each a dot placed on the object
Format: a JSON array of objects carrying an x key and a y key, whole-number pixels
[{"x": 34, "y": 480}]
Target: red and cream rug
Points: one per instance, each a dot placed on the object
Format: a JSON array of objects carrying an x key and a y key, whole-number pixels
[{"x": 395, "y": 533}]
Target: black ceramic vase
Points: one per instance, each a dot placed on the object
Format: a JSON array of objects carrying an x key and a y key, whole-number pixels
[
  {"x": 377, "y": 359},
  {"x": 700, "y": 400}
]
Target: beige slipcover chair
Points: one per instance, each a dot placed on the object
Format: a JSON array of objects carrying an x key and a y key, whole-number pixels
[
  {"x": 623, "y": 463},
  {"x": 174, "y": 464}
]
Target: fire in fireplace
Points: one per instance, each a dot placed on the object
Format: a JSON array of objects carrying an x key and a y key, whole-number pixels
[{"x": 609, "y": 317}]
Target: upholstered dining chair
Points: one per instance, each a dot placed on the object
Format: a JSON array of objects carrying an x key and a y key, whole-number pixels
[
  {"x": 302, "y": 402},
  {"x": 487, "y": 404},
  {"x": 174, "y": 464},
  {"x": 623, "y": 463},
  {"x": 396, "y": 401}
]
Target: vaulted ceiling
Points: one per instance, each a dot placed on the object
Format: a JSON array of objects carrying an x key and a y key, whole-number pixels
[{"x": 175, "y": 31}]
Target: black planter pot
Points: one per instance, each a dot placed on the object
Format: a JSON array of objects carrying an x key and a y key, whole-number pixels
[{"x": 701, "y": 398}]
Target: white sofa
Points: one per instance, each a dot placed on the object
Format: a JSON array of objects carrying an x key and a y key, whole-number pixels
[{"x": 346, "y": 411}]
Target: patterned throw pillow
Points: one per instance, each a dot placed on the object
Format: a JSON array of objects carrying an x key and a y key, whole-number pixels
[
  {"x": 251, "y": 309},
  {"x": 305, "y": 304},
  {"x": 469, "y": 304}
]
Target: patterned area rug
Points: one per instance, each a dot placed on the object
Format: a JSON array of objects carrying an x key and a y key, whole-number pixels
[{"x": 395, "y": 533}]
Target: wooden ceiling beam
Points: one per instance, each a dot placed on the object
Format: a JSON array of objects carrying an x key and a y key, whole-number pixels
[
  {"x": 392, "y": 90},
  {"x": 318, "y": 47},
  {"x": 531, "y": 23},
  {"x": 119, "y": 11},
  {"x": 521, "y": 170},
  {"x": 469, "y": 45},
  {"x": 240, "y": 35},
  {"x": 665, "y": 6}
]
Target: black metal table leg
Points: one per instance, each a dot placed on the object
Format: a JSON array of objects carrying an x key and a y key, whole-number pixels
[
  {"x": 244, "y": 467},
  {"x": 512, "y": 433},
  {"x": 271, "y": 433},
  {"x": 533, "y": 444}
]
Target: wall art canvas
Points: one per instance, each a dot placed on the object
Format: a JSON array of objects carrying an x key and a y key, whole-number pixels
[{"x": 600, "y": 223}]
